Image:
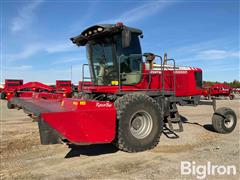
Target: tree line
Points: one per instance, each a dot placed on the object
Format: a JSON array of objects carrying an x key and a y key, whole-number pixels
[{"x": 234, "y": 83}]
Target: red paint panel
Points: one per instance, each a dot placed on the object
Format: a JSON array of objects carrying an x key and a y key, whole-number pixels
[
  {"x": 94, "y": 122},
  {"x": 64, "y": 86},
  {"x": 35, "y": 85},
  {"x": 12, "y": 84},
  {"x": 48, "y": 95},
  {"x": 185, "y": 83},
  {"x": 219, "y": 89}
]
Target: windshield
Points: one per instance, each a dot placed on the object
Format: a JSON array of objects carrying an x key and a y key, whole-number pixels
[
  {"x": 103, "y": 67},
  {"x": 130, "y": 60},
  {"x": 106, "y": 55}
]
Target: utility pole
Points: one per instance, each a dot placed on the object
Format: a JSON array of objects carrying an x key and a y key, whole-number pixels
[
  {"x": 165, "y": 59},
  {"x": 71, "y": 72}
]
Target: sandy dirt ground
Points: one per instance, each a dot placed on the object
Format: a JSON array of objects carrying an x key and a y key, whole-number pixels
[{"x": 22, "y": 156}]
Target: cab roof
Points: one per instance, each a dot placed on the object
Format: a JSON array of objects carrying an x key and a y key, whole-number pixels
[{"x": 101, "y": 30}]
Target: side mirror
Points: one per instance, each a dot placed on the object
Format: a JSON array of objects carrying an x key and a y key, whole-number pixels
[{"x": 126, "y": 38}]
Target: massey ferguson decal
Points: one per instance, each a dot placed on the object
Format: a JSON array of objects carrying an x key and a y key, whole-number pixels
[
  {"x": 181, "y": 72},
  {"x": 155, "y": 72},
  {"x": 176, "y": 72}
]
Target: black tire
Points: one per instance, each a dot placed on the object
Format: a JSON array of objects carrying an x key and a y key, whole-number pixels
[
  {"x": 3, "y": 95},
  {"x": 85, "y": 96},
  {"x": 224, "y": 120},
  {"x": 10, "y": 105},
  {"x": 74, "y": 94},
  {"x": 129, "y": 108},
  {"x": 231, "y": 97}
]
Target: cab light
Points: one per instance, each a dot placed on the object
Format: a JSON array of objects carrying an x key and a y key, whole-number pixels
[{"x": 100, "y": 29}]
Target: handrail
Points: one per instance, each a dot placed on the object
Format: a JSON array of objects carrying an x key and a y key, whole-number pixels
[
  {"x": 160, "y": 89},
  {"x": 174, "y": 74},
  {"x": 83, "y": 77},
  {"x": 119, "y": 74},
  {"x": 162, "y": 72}
]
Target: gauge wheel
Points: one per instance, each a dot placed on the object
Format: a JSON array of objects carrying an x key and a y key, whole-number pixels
[{"x": 224, "y": 120}]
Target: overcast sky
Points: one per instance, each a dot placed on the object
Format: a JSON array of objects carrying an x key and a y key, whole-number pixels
[{"x": 35, "y": 35}]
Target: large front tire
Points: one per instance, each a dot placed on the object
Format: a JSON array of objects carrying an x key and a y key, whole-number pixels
[{"x": 139, "y": 122}]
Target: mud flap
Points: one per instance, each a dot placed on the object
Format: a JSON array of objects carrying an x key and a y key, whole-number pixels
[{"x": 47, "y": 134}]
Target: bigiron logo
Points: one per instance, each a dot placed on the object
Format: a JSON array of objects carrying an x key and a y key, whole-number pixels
[{"x": 201, "y": 171}]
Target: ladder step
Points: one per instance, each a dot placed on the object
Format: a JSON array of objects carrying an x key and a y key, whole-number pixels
[
  {"x": 180, "y": 129},
  {"x": 172, "y": 100},
  {"x": 176, "y": 117},
  {"x": 174, "y": 120},
  {"x": 169, "y": 134},
  {"x": 179, "y": 123},
  {"x": 173, "y": 110}
]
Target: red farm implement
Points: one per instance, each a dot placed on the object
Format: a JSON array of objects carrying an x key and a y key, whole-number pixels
[
  {"x": 10, "y": 86},
  {"x": 218, "y": 90},
  {"x": 37, "y": 91},
  {"x": 129, "y": 100},
  {"x": 236, "y": 90},
  {"x": 27, "y": 90},
  {"x": 64, "y": 87}
]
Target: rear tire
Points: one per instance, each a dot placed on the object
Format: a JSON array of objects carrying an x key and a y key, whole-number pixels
[
  {"x": 231, "y": 97},
  {"x": 3, "y": 95},
  {"x": 10, "y": 105},
  {"x": 224, "y": 120},
  {"x": 139, "y": 123}
]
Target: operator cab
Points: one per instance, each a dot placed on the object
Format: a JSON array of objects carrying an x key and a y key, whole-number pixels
[{"x": 114, "y": 53}]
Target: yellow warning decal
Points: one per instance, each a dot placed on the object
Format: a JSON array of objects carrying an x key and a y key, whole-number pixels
[
  {"x": 82, "y": 103},
  {"x": 114, "y": 82}
]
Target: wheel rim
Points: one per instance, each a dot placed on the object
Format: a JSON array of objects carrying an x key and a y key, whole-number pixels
[
  {"x": 228, "y": 121},
  {"x": 140, "y": 124}
]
